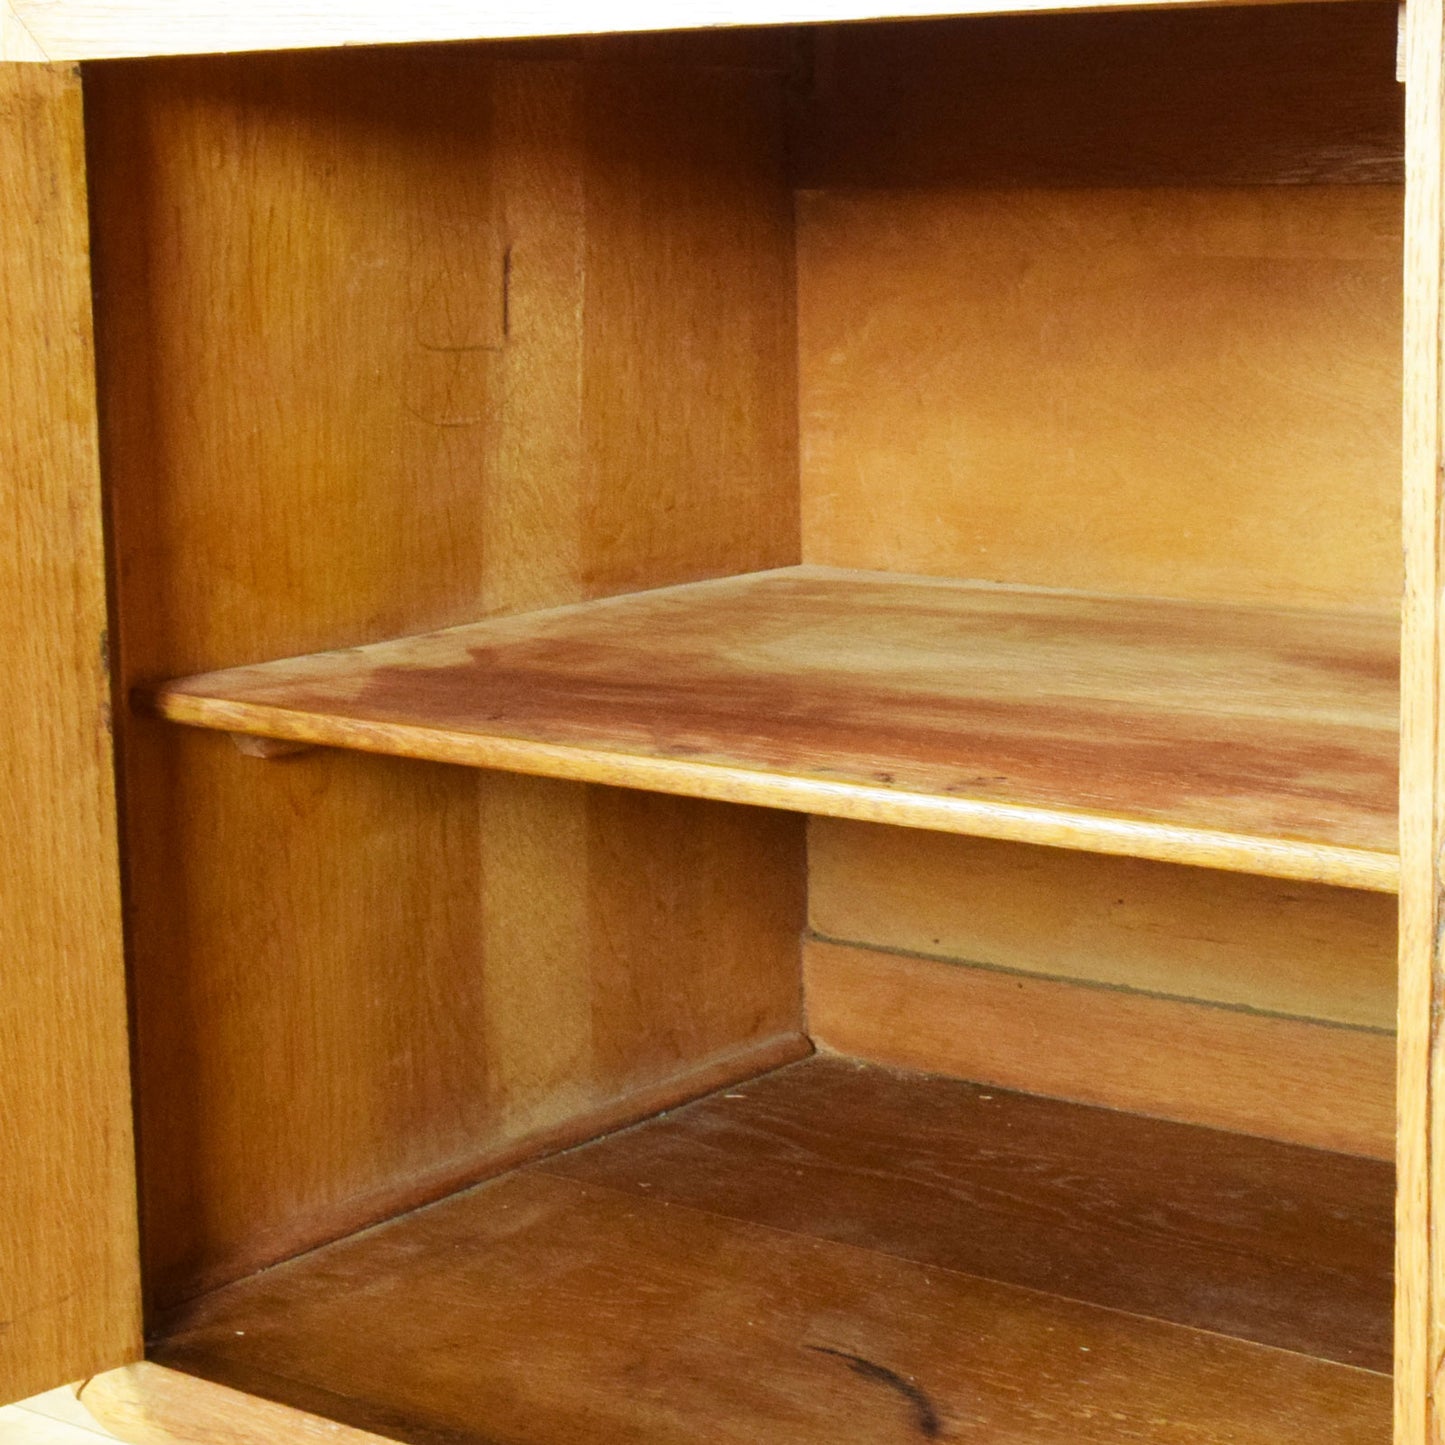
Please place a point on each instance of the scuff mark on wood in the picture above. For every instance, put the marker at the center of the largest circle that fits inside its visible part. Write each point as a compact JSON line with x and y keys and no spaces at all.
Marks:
{"x":925,"y":1413}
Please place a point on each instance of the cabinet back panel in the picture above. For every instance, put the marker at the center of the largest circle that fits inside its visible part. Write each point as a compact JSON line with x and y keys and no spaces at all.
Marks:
{"x":369,"y":333}
{"x":1246,"y":1003}
{"x":1175,"y":393}
{"x":1226,"y":938}
{"x":1067,"y":318}
{"x":1250,"y":1073}
{"x":1188,"y":393}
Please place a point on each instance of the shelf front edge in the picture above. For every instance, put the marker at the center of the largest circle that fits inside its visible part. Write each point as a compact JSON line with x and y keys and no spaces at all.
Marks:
{"x":720,"y":782}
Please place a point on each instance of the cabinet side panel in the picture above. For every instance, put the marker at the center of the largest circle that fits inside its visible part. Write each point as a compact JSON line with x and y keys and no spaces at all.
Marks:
{"x":685,"y":362}
{"x":69,"y":1288}
{"x":1419,"y":1256}
{"x":367,"y":291}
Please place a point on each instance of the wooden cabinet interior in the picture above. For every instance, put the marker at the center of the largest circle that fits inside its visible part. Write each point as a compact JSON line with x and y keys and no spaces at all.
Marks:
{"x":401,"y":340}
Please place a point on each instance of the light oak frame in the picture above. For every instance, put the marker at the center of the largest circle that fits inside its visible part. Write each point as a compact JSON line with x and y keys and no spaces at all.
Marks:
{"x":112,"y":29}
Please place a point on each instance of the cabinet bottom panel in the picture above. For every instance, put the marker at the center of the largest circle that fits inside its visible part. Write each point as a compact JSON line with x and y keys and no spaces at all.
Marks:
{"x":837,"y":1251}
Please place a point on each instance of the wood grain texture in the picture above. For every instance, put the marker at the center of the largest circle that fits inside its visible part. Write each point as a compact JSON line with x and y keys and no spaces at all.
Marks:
{"x":360,"y":982}
{"x":1283,"y":1246}
{"x":69,"y":1291}
{"x":148,"y":1404}
{"x":1163,"y":366}
{"x":1164,"y":97}
{"x":16,"y":41}
{"x":111,"y":29}
{"x":1274,"y":1077}
{"x":548,"y":1310}
{"x":1420,"y":1262}
{"x":62,"y":1405}
{"x":22,"y":1426}
{"x":1260,"y":943}
{"x":1253,"y":738}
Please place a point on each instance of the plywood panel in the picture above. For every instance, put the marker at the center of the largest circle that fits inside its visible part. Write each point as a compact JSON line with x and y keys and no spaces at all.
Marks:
{"x":1252,"y":738}
{"x":368,"y":295}
{"x":1245,"y":1237}
{"x":1171,"y":393}
{"x":1276,"y":1077}
{"x":1163,"y":97}
{"x":1293,"y":948}
{"x":538,"y":1309}
{"x":69,"y":1288}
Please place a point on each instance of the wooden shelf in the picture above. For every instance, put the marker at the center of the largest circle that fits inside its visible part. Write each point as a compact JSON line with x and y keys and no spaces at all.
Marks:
{"x":1254,"y":739}
{"x":834,"y":1252}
